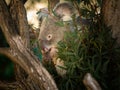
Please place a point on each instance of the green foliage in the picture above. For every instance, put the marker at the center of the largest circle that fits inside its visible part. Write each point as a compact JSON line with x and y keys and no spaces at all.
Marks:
{"x":37,"y":52}
{"x":6,"y":69}
{"x":36,"y":48}
{"x":60,"y":23}
{"x":93,"y":50}
{"x":90,"y":50}
{"x":3,"y":42}
{"x":78,"y":1}
{"x":51,"y":68}
{"x":6,"y":66}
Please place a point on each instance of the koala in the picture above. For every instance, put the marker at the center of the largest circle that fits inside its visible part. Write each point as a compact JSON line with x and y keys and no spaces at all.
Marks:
{"x":51,"y":33}
{"x":49,"y":36}
{"x":65,"y":11}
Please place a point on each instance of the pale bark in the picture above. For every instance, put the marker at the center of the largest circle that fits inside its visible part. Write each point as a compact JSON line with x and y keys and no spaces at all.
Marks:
{"x":111,"y":14}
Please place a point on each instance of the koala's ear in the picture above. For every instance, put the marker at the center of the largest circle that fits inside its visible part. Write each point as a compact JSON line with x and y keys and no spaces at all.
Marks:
{"x":52,"y":4}
{"x":42,"y":13}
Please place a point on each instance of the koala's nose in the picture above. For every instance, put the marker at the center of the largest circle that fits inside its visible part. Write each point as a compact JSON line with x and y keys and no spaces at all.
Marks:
{"x":46,"y":50}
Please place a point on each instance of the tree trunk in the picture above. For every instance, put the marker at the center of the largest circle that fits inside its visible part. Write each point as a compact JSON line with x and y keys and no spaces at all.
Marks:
{"x":14,"y":25}
{"x":111,"y":13}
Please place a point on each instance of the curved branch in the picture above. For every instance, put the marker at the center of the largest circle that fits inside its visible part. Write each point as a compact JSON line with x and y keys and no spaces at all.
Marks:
{"x":7,"y":52}
{"x":6,"y":22}
{"x":90,"y":82}
{"x":9,"y":86}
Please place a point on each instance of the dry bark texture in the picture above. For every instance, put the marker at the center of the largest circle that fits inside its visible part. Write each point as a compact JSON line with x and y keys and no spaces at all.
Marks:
{"x":111,"y":13}
{"x":31,"y":75}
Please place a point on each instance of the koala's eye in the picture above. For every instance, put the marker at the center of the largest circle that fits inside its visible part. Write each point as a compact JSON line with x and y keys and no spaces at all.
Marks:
{"x":49,"y":37}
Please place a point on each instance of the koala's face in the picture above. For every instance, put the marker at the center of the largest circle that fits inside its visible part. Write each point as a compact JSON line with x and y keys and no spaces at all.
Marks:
{"x":50,"y":34}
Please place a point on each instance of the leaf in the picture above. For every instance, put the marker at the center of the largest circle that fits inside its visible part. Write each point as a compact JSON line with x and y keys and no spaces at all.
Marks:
{"x":38,"y":53}
{"x":60,"y":23}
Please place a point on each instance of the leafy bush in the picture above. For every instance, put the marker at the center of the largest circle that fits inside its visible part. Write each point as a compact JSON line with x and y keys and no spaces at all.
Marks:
{"x":90,"y":50}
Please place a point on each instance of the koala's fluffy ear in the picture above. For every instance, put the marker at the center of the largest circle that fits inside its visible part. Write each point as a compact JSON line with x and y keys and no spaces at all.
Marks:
{"x":42,"y":13}
{"x":64,"y":11}
{"x":52,"y":4}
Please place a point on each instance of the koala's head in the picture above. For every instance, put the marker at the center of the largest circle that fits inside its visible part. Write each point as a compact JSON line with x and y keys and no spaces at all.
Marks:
{"x":50,"y":34}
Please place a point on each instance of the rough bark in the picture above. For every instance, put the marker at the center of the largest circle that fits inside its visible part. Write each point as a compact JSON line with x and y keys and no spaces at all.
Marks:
{"x":18,"y":14}
{"x":19,"y":52}
{"x":111,"y":13}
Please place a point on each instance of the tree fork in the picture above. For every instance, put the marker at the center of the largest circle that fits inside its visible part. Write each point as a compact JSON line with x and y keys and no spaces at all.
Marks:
{"x":22,"y":55}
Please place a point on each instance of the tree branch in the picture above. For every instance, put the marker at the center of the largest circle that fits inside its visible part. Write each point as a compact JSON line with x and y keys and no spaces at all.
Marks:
{"x":21,"y":54}
{"x":9,"y":86}
{"x":24,"y":1}
{"x":90,"y":82}
{"x":18,"y":13}
{"x":6,"y":22}
{"x":5,"y":51}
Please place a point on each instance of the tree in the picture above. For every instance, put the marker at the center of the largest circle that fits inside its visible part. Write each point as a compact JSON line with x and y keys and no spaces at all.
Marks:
{"x":15,"y":27}
{"x":30,"y":73}
{"x":111,"y":13}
